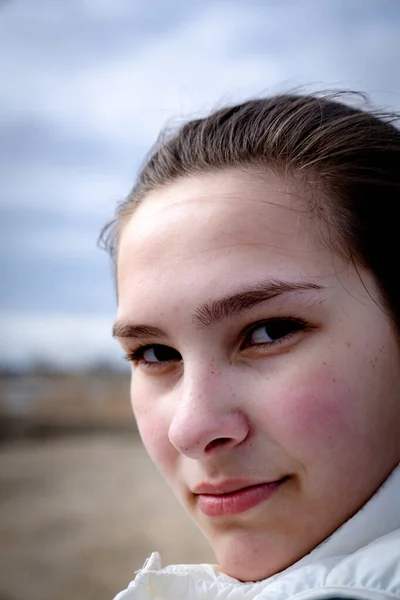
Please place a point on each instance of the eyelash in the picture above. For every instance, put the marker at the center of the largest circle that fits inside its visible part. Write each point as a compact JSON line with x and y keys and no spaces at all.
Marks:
{"x":136,"y":356}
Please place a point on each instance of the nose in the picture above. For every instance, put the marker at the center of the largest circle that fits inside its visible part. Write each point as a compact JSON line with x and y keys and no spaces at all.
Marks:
{"x":207,"y":417}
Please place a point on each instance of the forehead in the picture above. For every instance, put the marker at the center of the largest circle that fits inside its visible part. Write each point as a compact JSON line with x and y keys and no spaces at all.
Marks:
{"x":220,"y":225}
{"x":232,"y":204}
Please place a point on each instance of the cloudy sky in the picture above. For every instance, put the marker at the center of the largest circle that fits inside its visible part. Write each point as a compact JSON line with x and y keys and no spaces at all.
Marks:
{"x":85,"y":87}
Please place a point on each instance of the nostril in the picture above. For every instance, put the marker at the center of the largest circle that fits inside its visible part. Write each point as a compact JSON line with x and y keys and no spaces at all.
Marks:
{"x":218,"y":442}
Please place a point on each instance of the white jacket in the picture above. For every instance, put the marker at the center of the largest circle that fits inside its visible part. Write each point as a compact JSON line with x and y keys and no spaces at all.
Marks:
{"x":360,"y":560}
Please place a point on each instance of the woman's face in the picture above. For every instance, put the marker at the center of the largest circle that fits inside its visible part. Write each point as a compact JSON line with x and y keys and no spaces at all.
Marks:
{"x":265,"y":375}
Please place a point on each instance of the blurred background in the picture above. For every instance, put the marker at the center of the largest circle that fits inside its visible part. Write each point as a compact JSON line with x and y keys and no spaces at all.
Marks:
{"x":85,"y":86}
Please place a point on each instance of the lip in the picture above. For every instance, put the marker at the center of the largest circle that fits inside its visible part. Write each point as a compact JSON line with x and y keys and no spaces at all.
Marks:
{"x":234,"y":497}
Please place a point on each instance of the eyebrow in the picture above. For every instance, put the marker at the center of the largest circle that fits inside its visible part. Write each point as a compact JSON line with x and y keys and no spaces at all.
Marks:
{"x":122,"y":329}
{"x":215,"y":311}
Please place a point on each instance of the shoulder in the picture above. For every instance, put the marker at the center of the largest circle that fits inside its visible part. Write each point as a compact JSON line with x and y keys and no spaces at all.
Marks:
{"x":375,"y":568}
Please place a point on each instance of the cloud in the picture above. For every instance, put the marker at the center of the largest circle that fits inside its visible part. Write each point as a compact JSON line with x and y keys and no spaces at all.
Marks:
{"x":141,"y":76}
{"x":63,"y":340}
{"x":95,"y":101}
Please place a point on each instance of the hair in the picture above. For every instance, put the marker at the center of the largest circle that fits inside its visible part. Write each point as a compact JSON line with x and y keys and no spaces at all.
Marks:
{"x":350,"y":155}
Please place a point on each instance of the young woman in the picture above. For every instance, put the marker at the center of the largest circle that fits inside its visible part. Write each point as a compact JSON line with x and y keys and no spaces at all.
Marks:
{"x":259,"y":305}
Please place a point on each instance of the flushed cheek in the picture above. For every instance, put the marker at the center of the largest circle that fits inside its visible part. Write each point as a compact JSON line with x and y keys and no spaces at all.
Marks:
{"x":313,"y":417}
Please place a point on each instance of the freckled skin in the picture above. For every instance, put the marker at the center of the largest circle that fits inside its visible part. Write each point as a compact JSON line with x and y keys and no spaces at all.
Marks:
{"x":322,"y":407}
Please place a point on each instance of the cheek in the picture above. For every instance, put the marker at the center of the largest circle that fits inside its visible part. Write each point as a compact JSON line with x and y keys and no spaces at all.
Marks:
{"x":314,"y":416}
{"x":153,"y":425}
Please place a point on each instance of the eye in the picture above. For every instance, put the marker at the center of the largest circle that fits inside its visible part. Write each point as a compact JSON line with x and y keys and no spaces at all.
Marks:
{"x":153,"y":355}
{"x":272,"y":331}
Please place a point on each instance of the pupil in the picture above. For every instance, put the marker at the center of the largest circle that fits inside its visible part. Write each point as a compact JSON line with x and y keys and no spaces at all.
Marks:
{"x":278,"y":329}
{"x":163,"y":353}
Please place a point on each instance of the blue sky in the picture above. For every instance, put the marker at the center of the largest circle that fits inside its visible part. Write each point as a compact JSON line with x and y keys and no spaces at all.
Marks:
{"x":86,"y":86}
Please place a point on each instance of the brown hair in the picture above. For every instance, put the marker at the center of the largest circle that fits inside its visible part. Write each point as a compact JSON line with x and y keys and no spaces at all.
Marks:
{"x":353,"y":156}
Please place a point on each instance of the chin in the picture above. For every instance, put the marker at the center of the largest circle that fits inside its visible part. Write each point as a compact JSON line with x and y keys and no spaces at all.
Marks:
{"x":247,"y":573}
{"x":248,"y":570}
{"x":249,"y":559}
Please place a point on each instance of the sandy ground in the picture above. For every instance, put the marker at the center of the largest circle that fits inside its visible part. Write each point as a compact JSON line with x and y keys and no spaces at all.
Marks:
{"x":78,"y":516}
